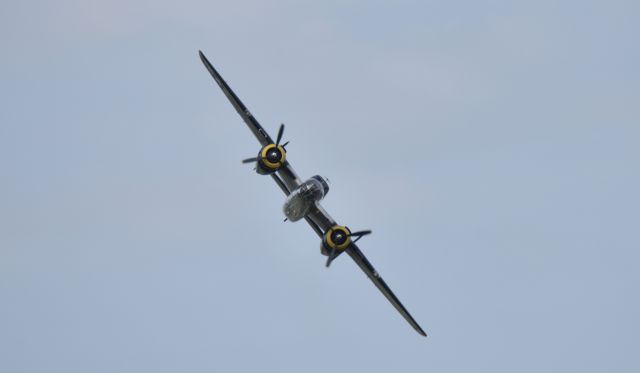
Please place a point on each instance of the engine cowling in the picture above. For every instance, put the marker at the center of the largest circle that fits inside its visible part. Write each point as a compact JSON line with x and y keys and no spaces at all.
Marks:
{"x":337,"y":238}
{"x":270,"y":159}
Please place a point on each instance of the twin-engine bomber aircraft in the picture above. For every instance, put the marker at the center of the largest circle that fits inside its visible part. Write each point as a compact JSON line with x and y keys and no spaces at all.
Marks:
{"x":303,"y":198}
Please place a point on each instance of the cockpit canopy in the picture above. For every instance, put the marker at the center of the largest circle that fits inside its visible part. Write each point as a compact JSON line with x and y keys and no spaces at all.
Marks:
{"x":299,"y":202}
{"x":324,"y":182}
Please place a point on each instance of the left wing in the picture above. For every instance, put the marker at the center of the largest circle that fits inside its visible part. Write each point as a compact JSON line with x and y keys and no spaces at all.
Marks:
{"x":286,"y":172}
{"x":373,"y":275}
{"x":321,"y":221}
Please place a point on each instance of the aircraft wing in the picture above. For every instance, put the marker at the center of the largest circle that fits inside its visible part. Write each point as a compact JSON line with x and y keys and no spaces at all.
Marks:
{"x":358,"y":257}
{"x":321,"y":221}
{"x":286,"y":172}
{"x":255,"y":127}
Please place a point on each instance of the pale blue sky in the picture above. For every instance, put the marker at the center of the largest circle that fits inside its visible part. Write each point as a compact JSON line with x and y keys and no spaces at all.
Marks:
{"x":491,"y":146}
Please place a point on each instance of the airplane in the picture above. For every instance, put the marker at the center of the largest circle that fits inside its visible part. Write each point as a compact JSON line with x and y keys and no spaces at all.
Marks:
{"x":303,"y":198}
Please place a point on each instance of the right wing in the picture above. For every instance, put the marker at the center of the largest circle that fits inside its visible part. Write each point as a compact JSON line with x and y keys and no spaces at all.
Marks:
{"x":255,"y":127}
{"x":286,"y":172}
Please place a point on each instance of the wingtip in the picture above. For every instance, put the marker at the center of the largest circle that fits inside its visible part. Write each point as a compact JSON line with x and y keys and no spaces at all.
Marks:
{"x":419,"y":330}
{"x":212,"y":70}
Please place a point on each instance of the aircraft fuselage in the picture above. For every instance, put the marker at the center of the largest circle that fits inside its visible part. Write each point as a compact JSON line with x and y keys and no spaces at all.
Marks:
{"x":300,"y":201}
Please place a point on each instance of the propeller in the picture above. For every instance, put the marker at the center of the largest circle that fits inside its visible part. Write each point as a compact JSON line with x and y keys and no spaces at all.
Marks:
{"x":334,"y":253}
{"x":359,"y":234}
{"x":280,"y":132}
{"x":277,"y":143}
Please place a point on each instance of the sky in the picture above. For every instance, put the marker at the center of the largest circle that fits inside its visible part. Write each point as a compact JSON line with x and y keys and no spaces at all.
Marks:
{"x":491,"y":146}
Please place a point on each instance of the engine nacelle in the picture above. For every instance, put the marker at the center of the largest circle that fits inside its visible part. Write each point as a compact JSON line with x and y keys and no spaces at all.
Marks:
{"x":270,"y":159}
{"x":337,"y":238}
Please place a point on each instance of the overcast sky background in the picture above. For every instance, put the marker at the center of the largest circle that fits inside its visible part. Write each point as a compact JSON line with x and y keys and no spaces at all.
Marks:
{"x":491,"y":146}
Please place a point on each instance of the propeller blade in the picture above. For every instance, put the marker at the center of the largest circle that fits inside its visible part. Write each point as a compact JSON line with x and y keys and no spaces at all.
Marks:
{"x":360,"y":233}
{"x":332,"y":255}
{"x":249,"y":160}
{"x":280,"y":132}
{"x":285,"y":144}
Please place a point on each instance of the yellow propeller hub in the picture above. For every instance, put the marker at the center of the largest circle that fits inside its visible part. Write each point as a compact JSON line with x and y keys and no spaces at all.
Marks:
{"x":338,"y":237}
{"x":273,"y":156}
